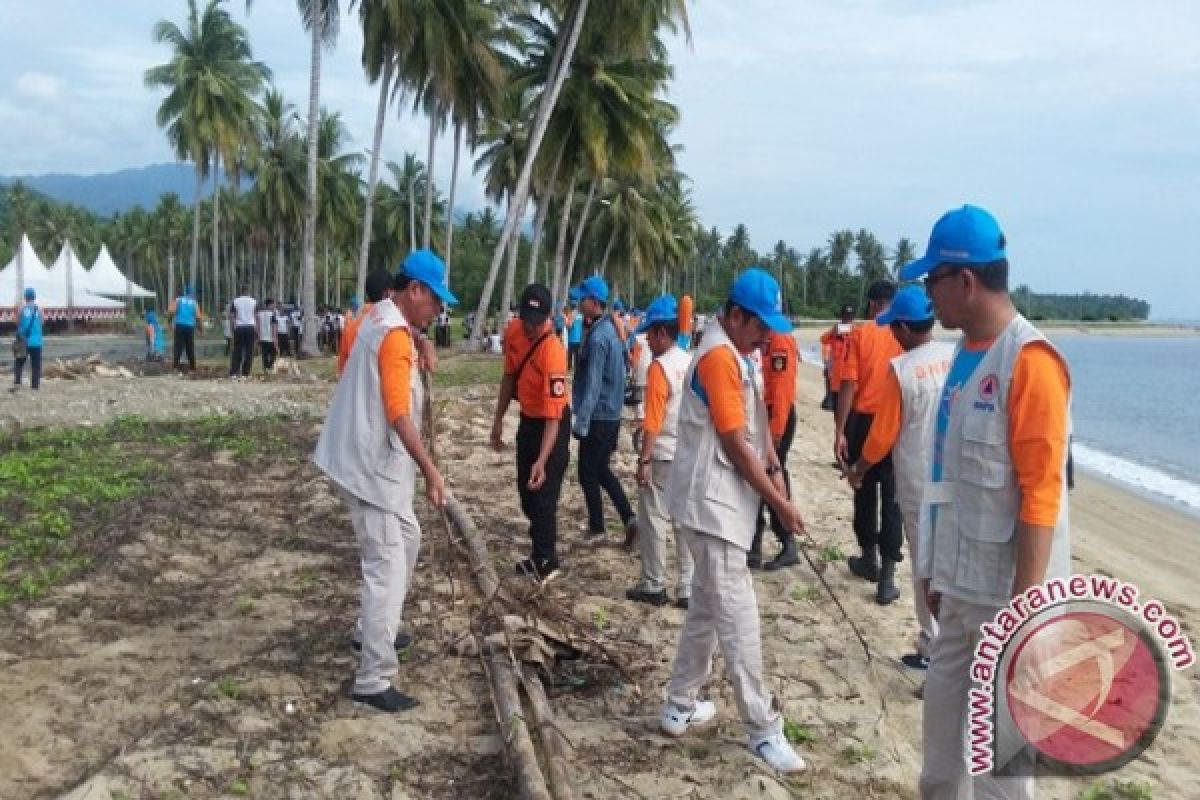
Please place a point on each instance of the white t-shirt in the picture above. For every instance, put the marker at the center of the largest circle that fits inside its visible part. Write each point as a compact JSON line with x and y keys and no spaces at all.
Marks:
{"x":494,"y":344}
{"x":243,"y":311}
{"x":341,"y":322}
{"x":266,"y":326}
{"x":297,"y":321}
{"x":281,"y":323}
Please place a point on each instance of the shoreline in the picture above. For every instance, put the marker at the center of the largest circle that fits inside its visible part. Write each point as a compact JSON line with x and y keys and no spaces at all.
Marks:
{"x":809,"y":330}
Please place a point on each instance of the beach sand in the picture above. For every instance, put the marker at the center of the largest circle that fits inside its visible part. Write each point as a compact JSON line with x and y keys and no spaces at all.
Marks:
{"x":159,"y":723}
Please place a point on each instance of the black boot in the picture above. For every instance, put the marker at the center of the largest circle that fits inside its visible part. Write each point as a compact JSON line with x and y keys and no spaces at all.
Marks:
{"x":787,"y":556}
{"x":865,"y":566}
{"x":886,"y":592}
{"x":754,"y":559}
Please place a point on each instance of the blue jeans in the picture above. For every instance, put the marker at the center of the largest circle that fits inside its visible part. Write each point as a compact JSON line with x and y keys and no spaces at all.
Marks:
{"x":34,"y":354}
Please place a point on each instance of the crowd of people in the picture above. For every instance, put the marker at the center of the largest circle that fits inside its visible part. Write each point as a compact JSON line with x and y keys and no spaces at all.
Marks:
{"x":956,"y":454}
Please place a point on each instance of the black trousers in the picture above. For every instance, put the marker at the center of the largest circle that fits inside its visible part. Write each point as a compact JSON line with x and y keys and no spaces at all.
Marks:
{"x":595,"y":455}
{"x":34,"y":355}
{"x":185,"y":342}
{"x":243,"y":350}
{"x":540,"y":506}
{"x":268,"y":354}
{"x":877,"y":519}
{"x":785,"y":444}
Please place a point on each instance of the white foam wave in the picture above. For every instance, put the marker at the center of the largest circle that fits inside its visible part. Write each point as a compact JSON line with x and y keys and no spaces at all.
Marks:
{"x":1139,"y":476}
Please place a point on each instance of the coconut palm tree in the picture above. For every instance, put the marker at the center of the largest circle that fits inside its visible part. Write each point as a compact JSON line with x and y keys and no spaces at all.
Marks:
{"x":211,"y":81}
{"x":279,"y":184}
{"x":321,"y":20}
{"x":905,"y":252}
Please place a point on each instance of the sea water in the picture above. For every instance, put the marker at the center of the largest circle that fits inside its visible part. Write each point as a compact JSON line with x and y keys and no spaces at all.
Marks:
{"x":1136,"y":411}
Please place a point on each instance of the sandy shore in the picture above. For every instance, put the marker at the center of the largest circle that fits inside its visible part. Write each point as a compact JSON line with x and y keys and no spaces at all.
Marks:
{"x":1115,"y":532}
{"x":268,"y":603}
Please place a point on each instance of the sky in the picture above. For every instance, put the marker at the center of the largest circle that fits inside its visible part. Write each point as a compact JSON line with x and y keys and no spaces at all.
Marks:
{"x":1077,"y":122}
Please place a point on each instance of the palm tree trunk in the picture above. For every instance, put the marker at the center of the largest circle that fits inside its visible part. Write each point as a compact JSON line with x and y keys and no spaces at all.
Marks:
{"x":195,"y":230}
{"x":428,"y":233}
{"x":539,"y":222}
{"x":612,"y":240}
{"x":450,"y":202}
{"x":564,"y":223}
{"x":509,"y":278}
{"x":579,"y":229}
{"x":385,"y":82}
{"x":412,"y":214}
{"x":279,"y":264}
{"x":564,"y":53}
{"x":216,"y":242}
{"x":308,"y":296}
{"x":170,"y":273}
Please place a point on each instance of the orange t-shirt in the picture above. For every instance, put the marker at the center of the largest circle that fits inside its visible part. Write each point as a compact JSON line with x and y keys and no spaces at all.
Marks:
{"x":348,"y":334}
{"x":885,"y":425}
{"x":834,"y":347}
{"x":1037,"y":431}
{"x":542,"y":385}
{"x":868,"y":353}
{"x":685,"y":314}
{"x":658,"y":392}
{"x":779,"y":379}
{"x":721,"y":379}
{"x":396,"y":360}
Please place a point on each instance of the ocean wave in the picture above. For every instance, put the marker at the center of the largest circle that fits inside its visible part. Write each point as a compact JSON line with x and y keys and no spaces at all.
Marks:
{"x":1139,"y":476}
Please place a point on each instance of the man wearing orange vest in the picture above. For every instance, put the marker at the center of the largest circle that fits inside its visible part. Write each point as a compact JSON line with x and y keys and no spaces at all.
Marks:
{"x":535,"y":373}
{"x":877,"y":521}
{"x":779,"y":380}
{"x":833,"y":353}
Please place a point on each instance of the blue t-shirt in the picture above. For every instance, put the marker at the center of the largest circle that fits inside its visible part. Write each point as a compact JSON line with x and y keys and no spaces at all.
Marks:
{"x":964,"y":366}
{"x":575,"y":335}
{"x":30,"y":326}
{"x":185,"y":312}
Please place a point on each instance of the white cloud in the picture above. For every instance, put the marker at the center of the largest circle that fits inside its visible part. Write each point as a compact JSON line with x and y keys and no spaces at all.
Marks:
{"x":38,"y":86}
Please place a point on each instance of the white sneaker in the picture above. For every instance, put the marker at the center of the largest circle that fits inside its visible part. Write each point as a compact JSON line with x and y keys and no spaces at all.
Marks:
{"x":777,"y":751}
{"x":675,"y":721}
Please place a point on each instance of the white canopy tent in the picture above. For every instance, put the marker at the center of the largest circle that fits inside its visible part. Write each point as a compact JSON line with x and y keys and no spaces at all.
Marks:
{"x":57,"y":298}
{"x":107,"y":279}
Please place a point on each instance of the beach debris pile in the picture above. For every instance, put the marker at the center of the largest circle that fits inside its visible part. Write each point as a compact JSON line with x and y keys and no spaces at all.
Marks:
{"x":92,"y":366}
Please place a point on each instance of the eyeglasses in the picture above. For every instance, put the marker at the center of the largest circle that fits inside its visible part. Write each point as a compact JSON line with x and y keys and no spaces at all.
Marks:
{"x":931,"y":279}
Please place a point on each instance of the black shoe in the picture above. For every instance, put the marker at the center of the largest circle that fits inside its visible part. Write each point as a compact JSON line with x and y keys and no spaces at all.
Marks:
{"x":886,"y":592}
{"x":642,"y":596}
{"x":402,"y":642}
{"x":682,"y":602}
{"x":786,"y":558}
{"x":389,"y":700}
{"x":915,"y":661}
{"x":754,"y":560}
{"x":540,"y":571}
{"x":631,"y":534}
{"x":864,"y":567}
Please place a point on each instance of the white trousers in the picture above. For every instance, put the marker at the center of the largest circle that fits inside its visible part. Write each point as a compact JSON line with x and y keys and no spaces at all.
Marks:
{"x":944,"y":774}
{"x":654,"y":523}
{"x":388,"y":545}
{"x":724,"y":611}
{"x":928,"y":625}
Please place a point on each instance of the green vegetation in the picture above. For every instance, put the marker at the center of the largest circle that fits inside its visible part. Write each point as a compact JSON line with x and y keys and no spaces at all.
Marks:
{"x":831,"y":554}
{"x":857,"y":754}
{"x":807,"y":594}
{"x":798,"y":734}
{"x":1117,"y":790}
{"x":468,"y":371}
{"x":229,"y":687}
{"x":1085,"y":307}
{"x":50,"y":480}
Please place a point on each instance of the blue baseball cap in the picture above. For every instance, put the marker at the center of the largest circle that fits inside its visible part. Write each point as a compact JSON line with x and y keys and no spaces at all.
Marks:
{"x":910,"y":304}
{"x":574,"y":296}
{"x":965,"y":236}
{"x":757,"y":292}
{"x":426,"y":267}
{"x":661,"y":309}
{"x":30,"y":293}
{"x":594,"y":287}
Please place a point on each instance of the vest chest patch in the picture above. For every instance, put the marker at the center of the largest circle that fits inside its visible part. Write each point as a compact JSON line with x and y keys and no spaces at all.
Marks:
{"x":989,"y":387}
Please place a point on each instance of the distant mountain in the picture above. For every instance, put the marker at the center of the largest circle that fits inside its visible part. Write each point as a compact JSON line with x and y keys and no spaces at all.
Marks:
{"x":108,"y":193}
